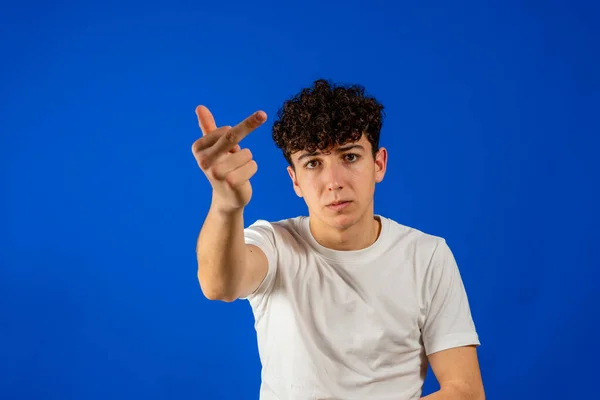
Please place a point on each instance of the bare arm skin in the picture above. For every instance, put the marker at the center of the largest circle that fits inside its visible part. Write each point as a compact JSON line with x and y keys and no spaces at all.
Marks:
{"x":227,"y":267}
{"x":457,"y":371}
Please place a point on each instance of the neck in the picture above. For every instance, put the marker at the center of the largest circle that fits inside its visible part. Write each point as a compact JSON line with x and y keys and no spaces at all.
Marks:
{"x":358,"y":236}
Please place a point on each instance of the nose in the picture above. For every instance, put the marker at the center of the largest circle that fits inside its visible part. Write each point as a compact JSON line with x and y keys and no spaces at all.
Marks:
{"x":333,"y":177}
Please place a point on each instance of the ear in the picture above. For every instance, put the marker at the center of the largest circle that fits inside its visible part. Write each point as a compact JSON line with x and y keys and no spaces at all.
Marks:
{"x":381,"y":158}
{"x":292,"y":175}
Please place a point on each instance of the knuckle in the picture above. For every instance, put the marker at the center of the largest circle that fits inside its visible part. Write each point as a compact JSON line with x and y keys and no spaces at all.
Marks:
{"x":230,"y":136}
{"x":230,"y":178}
{"x":196,"y":146}
{"x":243,"y":156}
{"x":199,"y":145}
{"x":203,"y":162}
{"x":214,"y":174}
{"x":252,"y":122}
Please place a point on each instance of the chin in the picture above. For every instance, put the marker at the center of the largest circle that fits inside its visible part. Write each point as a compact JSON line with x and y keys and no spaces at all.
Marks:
{"x":341,"y":221}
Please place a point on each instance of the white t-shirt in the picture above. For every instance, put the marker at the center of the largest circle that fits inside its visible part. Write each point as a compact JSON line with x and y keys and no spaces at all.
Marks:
{"x":354,"y":324}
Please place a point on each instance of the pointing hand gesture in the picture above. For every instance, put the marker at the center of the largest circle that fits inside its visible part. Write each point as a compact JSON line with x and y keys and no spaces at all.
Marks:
{"x":227,"y":166}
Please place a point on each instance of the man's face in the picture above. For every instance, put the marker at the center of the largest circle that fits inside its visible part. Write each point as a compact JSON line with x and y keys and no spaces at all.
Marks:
{"x":338,"y":186}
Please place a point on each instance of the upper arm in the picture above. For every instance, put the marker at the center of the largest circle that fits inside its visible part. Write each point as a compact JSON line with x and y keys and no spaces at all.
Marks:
{"x":261,"y":261}
{"x":447,"y":321}
{"x":457,"y":369}
{"x":254,"y":272}
{"x":449,"y":332}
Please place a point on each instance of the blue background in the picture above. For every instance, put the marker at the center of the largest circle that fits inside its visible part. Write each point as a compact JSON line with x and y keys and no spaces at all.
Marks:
{"x":492,"y":130}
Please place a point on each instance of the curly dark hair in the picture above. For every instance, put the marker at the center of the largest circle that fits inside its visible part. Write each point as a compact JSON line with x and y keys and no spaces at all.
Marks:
{"x":325,"y":115}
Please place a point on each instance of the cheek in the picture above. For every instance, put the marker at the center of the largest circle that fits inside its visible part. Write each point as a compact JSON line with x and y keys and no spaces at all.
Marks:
{"x":362,"y":183}
{"x":360,"y":175}
{"x":310,"y":188}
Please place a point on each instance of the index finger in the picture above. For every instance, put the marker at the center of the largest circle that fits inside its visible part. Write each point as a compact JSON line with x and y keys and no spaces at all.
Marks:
{"x":230,"y":139}
{"x":206,"y":121}
{"x":241,"y":130}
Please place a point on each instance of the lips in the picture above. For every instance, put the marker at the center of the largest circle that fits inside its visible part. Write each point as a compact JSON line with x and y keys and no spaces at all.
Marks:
{"x":337,"y":203}
{"x":338,"y":206}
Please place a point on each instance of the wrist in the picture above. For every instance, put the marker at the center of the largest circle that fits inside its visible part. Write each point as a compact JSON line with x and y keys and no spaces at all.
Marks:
{"x":223,"y":209}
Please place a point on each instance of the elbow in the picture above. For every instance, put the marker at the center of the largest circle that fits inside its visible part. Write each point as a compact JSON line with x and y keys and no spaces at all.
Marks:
{"x":465,"y":392}
{"x":478,"y":394}
{"x":214,"y":295}
{"x":215,"y":292}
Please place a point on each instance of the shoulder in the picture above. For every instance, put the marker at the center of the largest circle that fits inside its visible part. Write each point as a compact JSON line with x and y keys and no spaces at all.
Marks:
{"x":411,"y":239}
{"x":428,"y":254}
{"x":287,"y":224}
{"x":279,"y":232}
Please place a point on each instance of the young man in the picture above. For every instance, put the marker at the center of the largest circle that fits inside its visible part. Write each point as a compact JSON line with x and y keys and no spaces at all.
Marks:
{"x":348,"y":304}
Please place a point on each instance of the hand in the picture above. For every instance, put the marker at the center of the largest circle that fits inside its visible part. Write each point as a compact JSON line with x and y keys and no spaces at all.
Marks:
{"x":227,"y":166}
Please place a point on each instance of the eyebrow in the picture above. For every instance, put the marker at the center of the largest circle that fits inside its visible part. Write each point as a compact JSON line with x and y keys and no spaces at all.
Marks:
{"x":338,"y":150}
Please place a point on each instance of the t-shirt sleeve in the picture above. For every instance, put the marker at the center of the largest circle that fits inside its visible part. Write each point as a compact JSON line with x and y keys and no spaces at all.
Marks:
{"x":262,"y":234}
{"x":448,"y":322}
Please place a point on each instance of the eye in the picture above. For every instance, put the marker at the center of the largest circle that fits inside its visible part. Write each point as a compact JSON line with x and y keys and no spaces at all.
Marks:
{"x":351,"y":157}
{"x":311,"y":164}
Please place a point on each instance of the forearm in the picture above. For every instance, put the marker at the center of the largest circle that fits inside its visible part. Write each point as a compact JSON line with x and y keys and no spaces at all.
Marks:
{"x":221,"y":252}
{"x":454,"y":393}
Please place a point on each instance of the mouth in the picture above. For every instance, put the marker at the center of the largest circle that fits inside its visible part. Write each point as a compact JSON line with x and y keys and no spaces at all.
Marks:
{"x":338,"y":205}
{"x":338,"y":202}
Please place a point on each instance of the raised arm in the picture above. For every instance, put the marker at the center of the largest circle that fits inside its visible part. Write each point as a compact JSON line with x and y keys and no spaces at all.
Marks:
{"x":227,"y":267}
